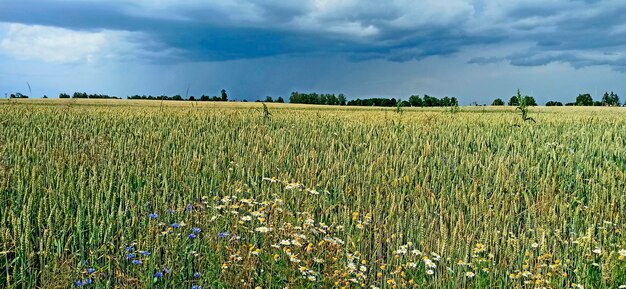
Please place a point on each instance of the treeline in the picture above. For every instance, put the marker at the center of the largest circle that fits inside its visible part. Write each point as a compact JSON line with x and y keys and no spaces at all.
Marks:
{"x":515,"y":101}
{"x":176,"y":97}
{"x":608,"y":99}
{"x":414,"y":101}
{"x":340,"y":99}
{"x":271,"y":99}
{"x":85,"y":95}
{"x":314,"y":98}
{"x":223,"y":97}
{"x":431,"y":101}
{"x":18,"y":95}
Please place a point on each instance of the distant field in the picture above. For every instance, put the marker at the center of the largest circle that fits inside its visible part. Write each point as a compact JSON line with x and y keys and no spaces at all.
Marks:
{"x":150,"y":194}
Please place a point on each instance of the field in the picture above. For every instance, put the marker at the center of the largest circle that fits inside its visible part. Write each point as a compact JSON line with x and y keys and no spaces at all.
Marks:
{"x":144,"y":194}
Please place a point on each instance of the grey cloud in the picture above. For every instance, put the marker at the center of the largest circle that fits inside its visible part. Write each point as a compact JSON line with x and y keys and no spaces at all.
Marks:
{"x":393,"y":30}
{"x":484,"y":60}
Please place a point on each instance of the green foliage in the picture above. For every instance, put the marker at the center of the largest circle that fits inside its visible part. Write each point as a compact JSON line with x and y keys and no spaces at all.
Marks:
{"x":416,"y":101}
{"x":523,"y":106}
{"x":516,"y":100}
{"x":513,"y":101}
{"x":554,"y":103}
{"x":85,"y":95}
{"x":314,"y":98}
{"x":399,"y":108}
{"x":610,"y":99}
{"x":266,"y":113}
{"x":584,"y":100}
{"x":18,"y":95}
{"x":497,"y":102}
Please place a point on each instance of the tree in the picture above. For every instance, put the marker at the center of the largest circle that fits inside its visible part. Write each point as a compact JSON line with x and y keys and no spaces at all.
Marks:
{"x":614,"y":99}
{"x":530,"y":101}
{"x":224,"y":95}
{"x":513,"y":101}
{"x":415,"y":100}
{"x":177,"y":97}
{"x":584,"y":100}
{"x":191,"y":98}
{"x":341,"y":99}
{"x":269,"y":99}
{"x":332,"y":99}
{"x":554,"y":103}
{"x":18,"y":95}
{"x":64,"y":95}
{"x":497,"y":102}
{"x":280,"y":99}
{"x":610,"y":99}
{"x":606,"y":99}
{"x":430,"y":101}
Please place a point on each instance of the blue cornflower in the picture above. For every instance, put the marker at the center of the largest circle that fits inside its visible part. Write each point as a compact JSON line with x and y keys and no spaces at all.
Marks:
{"x":91,"y":270}
{"x":153,"y":216}
{"x":176,"y":225}
{"x":223,"y":235}
{"x":137,"y":262}
{"x":188,"y":207}
{"x":158,"y":274}
{"x":170,"y":211}
{"x":196,"y":230}
{"x":196,"y":287}
{"x":81,"y":283}
{"x":197,"y":275}
{"x":145,"y":253}
{"x":130,"y":256}
{"x":192,"y":236}
{"x":129,"y":249}
{"x":167,"y":270}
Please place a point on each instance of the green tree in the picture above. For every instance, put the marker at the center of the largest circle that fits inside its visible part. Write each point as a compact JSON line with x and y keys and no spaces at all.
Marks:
{"x":430,"y":101}
{"x":341,"y":99}
{"x":497,"y":102}
{"x":513,"y":101}
{"x":415,"y":100}
{"x":280,"y":99}
{"x":610,"y":99}
{"x":269,"y":99}
{"x":584,"y":100}
{"x":530,"y":101}
{"x":224,"y":95}
{"x":554,"y":103}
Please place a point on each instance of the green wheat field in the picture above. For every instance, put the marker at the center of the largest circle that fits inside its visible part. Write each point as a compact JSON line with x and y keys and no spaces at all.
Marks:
{"x":149,"y":194}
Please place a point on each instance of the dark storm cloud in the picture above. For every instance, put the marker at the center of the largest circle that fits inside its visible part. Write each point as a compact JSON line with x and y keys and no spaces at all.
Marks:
{"x":581,"y":33}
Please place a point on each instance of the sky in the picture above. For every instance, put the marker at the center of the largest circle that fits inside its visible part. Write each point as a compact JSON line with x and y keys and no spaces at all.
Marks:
{"x":475,"y":50}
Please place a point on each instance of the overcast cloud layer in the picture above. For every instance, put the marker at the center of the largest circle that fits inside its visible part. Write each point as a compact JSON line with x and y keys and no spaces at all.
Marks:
{"x":475,"y":50}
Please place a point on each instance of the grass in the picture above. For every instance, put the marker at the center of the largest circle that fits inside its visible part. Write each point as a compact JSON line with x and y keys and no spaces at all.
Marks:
{"x":316,"y":197}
